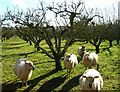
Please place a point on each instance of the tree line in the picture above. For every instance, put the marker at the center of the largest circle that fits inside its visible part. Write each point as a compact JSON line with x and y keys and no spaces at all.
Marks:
{"x":77,"y":25}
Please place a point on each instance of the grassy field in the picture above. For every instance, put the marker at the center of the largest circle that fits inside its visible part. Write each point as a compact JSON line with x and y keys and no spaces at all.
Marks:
{"x":44,"y":77}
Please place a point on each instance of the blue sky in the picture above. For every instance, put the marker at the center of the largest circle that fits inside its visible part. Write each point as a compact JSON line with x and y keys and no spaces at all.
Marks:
{"x":23,"y":4}
{"x":110,"y":5}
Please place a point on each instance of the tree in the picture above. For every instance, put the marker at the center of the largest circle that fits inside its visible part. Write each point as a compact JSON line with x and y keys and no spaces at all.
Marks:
{"x":7,"y":33}
{"x":87,"y":30}
{"x":37,"y":27}
{"x":28,"y":24}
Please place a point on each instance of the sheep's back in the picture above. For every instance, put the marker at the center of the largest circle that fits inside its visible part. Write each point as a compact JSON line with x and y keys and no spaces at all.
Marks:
{"x":79,"y":51}
{"x":95,"y":58}
{"x":74,"y":59}
{"x":19,"y":67}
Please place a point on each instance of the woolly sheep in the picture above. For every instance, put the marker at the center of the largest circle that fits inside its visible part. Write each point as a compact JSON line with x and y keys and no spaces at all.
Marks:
{"x":70,"y":62}
{"x":23,"y":69}
{"x":90,"y":59}
{"x":91,"y":80}
{"x":82,"y":51}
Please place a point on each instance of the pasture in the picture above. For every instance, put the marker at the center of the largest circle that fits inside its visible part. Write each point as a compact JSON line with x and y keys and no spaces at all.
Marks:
{"x":44,"y":76}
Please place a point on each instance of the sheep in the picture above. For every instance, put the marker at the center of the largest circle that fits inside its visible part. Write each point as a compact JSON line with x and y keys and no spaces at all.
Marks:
{"x":91,"y":80}
{"x":70,"y":62}
{"x":82,"y":51}
{"x":90,"y":59}
{"x":23,"y":69}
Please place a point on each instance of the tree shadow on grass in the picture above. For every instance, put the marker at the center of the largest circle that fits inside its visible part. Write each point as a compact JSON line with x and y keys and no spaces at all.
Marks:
{"x":8,"y":48}
{"x":15,"y":43}
{"x":35,"y":81}
{"x":11,"y":87}
{"x":71,"y":84}
{"x":41,"y":62}
{"x":52,"y":84}
{"x":22,"y":54}
{"x":108,"y":49}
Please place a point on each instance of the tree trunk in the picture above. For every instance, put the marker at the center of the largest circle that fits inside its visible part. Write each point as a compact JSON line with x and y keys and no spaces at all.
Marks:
{"x":58,"y":66}
{"x":117,"y":42}
{"x":97,"y":48}
{"x":110,"y":42}
{"x":30,"y":42}
{"x":38,"y":47}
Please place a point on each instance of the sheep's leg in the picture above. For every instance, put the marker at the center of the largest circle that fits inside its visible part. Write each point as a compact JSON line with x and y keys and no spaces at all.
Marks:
{"x":22,"y":83}
{"x":25,"y":83}
{"x":73,"y":69}
{"x":69,"y":73}
{"x":97,"y":66}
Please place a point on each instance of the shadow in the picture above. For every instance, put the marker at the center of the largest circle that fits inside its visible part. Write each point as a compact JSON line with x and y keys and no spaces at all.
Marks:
{"x":11,"y":86}
{"x":108,"y":49}
{"x":8,"y":48}
{"x":90,"y":50}
{"x":9,"y":44}
{"x":35,"y":81}
{"x":71,"y":84}
{"x":79,"y":59}
{"x":22,"y":54}
{"x":41,"y":62}
{"x":52,"y":84}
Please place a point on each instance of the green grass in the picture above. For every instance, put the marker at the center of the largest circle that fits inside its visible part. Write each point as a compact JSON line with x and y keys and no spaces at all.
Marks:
{"x":45,"y":77}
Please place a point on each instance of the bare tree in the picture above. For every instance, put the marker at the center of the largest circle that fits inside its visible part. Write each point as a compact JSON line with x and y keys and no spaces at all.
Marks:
{"x":28,"y":24}
{"x":37,"y":27}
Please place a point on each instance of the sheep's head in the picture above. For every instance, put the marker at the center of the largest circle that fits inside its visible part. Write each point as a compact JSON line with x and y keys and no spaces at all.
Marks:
{"x":83,"y":48}
{"x":90,"y":80}
{"x":68,"y":57}
{"x":29,"y":65}
{"x":88,"y":57}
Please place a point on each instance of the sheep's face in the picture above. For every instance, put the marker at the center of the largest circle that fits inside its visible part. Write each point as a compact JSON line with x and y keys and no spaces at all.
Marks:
{"x":83,"y":48}
{"x":88,"y":57}
{"x":68,"y":57}
{"x":90,"y":81}
{"x":29,"y":65}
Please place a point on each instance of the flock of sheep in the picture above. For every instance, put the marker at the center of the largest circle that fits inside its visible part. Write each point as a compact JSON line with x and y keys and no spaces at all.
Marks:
{"x":90,"y":80}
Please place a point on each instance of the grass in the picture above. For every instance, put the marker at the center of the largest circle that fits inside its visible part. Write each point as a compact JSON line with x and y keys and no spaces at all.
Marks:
{"x":44,"y":77}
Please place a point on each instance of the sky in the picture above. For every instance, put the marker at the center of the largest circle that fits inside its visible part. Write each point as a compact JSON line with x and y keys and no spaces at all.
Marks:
{"x":111,"y":6}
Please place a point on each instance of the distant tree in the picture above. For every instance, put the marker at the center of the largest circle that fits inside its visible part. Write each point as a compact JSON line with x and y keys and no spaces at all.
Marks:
{"x":28,"y":24}
{"x":90,"y":32}
{"x":111,"y":32}
{"x":7,"y":33}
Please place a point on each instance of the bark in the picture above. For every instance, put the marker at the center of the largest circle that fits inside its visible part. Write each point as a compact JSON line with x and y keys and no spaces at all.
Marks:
{"x":110,"y":42}
{"x":58,"y":66}
{"x":97,"y":48}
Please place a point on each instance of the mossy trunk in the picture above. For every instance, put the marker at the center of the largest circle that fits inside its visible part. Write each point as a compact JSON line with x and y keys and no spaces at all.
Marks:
{"x":97,"y":49}
{"x":110,"y":42}
{"x":58,"y":66}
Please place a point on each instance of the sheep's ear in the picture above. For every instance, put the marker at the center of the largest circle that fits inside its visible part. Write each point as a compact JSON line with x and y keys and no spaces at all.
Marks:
{"x":96,"y":77}
{"x":25,"y":61}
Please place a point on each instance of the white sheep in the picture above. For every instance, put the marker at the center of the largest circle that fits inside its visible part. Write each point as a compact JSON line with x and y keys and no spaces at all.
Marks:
{"x":90,"y":59}
{"x":23,"y":69}
{"x":70,"y":62}
{"x":91,"y":80}
{"x":82,"y":51}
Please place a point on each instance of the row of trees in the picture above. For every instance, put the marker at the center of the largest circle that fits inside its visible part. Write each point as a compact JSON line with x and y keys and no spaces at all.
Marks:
{"x":77,"y":25}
